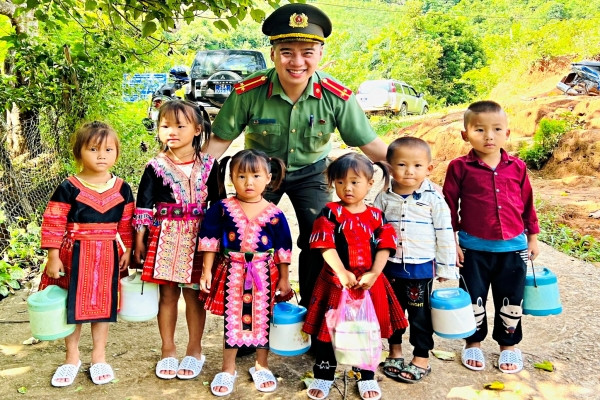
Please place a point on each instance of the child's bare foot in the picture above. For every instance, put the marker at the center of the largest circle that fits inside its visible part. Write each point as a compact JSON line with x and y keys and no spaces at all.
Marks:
{"x":170,"y":355}
{"x":415,"y":371}
{"x":394,"y":361}
{"x":264,"y":380}
{"x":72,"y":358}
{"x":223,"y":382}
{"x":511,"y":360}
{"x":472,"y":356}
{"x":319,"y":389}
{"x":369,"y":389}
{"x":191,"y":366}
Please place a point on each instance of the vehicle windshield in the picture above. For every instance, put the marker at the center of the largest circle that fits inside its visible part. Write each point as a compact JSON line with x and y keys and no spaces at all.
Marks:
{"x":243,"y":63}
{"x":372,"y":86}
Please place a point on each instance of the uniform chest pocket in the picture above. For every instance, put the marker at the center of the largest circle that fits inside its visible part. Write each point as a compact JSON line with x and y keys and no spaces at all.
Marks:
{"x":317,"y":136}
{"x":265,"y":137}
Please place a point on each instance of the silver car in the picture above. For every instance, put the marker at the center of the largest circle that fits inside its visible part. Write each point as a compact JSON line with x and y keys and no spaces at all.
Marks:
{"x":388,"y":95}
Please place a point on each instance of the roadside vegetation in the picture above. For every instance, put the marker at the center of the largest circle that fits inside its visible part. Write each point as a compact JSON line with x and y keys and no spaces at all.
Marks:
{"x":63,"y":63}
{"x":556,"y":233}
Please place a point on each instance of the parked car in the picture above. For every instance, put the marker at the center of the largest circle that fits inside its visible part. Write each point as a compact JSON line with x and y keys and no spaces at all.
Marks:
{"x":584,"y":79}
{"x":214,"y":72}
{"x":388,"y":95}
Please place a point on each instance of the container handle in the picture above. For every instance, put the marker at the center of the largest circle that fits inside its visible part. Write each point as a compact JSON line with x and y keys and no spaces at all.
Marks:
{"x":533,"y":270}
{"x":429,"y":292}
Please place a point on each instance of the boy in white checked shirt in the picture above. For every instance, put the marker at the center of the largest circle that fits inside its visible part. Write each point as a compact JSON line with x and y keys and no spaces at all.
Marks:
{"x":426,"y":249}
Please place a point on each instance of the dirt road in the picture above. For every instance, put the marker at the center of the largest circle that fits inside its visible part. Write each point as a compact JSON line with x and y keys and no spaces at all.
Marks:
{"x":570,"y":340}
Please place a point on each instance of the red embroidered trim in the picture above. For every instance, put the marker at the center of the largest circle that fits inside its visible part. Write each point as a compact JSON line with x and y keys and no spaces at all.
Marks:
{"x":125,"y":227}
{"x":54,"y":224}
{"x":101,"y":202}
{"x":94,"y":284}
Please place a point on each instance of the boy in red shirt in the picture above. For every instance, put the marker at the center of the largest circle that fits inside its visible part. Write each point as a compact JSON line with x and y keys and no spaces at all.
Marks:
{"x":491,"y":205}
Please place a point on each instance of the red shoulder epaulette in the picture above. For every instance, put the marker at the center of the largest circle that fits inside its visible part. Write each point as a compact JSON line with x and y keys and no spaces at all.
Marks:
{"x":339,"y":90}
{"x":249,"y":84}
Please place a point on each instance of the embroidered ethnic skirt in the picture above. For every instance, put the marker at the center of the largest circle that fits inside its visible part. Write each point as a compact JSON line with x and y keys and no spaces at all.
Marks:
{"x":243,"y":290}
{"x":90,"y":255}
{"x":171,"y":250}
{"x":326,"y":296}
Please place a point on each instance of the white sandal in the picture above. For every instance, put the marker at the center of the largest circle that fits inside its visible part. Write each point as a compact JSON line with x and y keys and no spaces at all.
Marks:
{"x":167,"y":364}
{"x":101,"y":369}
{"x":473,"y":354}
{"x":370,"y":385}
{"x":319,"y":384}
{"x":193,"y":364}
{"x":261,"y":377}
{"x":223,"y":379}
{"x":65,"y":371}
{"x":511,"y":357}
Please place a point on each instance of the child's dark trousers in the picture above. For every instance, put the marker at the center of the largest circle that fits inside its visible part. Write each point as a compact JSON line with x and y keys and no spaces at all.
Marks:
{"x":413,"y":295}
{"x":505,"y":273}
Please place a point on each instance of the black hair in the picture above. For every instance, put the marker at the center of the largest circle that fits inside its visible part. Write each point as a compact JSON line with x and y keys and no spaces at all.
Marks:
{"x":193,"y":113}
{"x":358,"y":163}
{"x":478,"y":107}
{"x":251,"y":160}
{"x":407,"y":141}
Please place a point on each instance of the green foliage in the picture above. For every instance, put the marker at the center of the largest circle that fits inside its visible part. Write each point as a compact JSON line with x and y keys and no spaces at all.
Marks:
{"x":23,"y":251}
{"x":428,"y":50}
{"x":545,"y":140}
{"x":385,"y":126}
{"x":126,"y":120}
{"x":564,"y":238}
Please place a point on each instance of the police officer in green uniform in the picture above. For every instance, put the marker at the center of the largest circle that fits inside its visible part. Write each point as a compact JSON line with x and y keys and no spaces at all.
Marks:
{"x":291,"y":112}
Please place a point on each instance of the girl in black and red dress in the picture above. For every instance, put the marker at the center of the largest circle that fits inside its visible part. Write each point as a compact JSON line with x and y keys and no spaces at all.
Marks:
{"x":172,"y":198}
{"x":355,"y":242}
{"x":87,"y":230}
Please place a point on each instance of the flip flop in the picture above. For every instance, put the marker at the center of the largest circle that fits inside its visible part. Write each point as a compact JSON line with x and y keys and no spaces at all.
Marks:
{"x":65,"y":371}
{"x":223,"y":379}
{"x":511,"y":357}
{"x":319,"y":384}
{"x":417,"y":373}
{"x":370,"y":385}
{"x":167,"y":364}
{"x":392,"y":363}
{"x":101,"y":369}
{"x":191,"y":364}
{"x":261,"y":377}
{"x":473,"y":354}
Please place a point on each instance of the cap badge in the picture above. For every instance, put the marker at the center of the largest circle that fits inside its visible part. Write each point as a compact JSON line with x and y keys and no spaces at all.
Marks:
{"x":298,"y":21}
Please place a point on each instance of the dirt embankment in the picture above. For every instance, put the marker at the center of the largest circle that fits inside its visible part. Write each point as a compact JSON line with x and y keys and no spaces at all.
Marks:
{"x":570,"y":179}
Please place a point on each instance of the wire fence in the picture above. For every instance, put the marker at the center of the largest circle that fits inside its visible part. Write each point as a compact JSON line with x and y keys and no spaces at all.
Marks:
{"x":32,"y":164}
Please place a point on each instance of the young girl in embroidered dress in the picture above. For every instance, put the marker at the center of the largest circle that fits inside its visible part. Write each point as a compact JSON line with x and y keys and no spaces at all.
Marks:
{"x":87,"y":230}
{"x":171,"y":202}
{"x":253,"y":241}
{"x":355,"y":241}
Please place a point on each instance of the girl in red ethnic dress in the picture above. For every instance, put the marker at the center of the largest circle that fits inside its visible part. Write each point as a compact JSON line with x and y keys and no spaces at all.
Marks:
{"x":254,"y":244}
{"x":355,"y":241}
{"x":171,"y":201}
{"x":87,"y":231}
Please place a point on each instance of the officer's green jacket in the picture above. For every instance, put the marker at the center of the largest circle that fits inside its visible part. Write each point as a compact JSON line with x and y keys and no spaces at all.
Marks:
{"x":299,"y":134}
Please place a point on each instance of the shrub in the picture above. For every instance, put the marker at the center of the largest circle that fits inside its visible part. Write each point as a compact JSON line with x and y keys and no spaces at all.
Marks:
{"x":545,"y":140}
{"x":23,"y":252}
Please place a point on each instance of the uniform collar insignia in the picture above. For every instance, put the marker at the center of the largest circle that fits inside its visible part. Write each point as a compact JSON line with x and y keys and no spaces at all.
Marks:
{"x":298,"y":21}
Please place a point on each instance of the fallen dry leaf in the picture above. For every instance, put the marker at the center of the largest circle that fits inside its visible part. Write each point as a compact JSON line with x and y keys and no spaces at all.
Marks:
{"x":444,"y":355}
